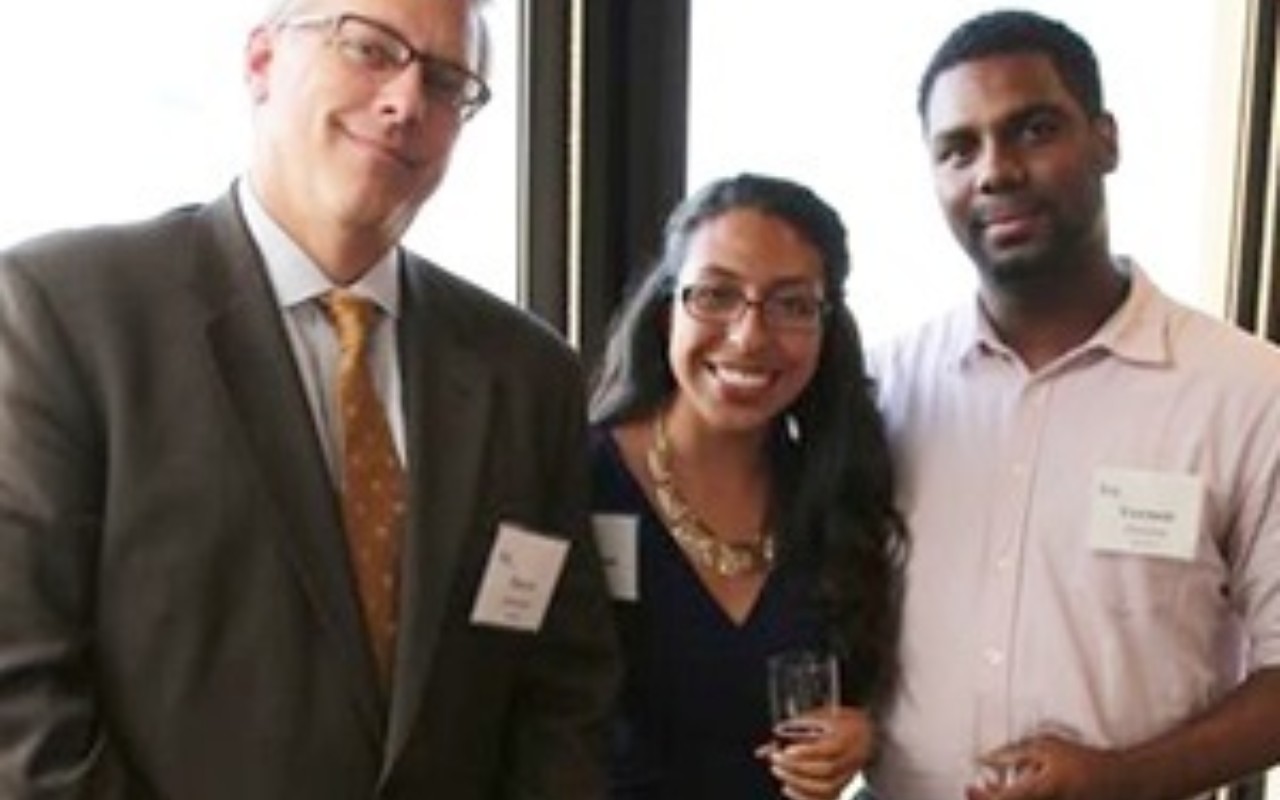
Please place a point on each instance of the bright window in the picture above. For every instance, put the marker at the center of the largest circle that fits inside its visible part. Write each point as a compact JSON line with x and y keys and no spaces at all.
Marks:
{"x":825,"y":93}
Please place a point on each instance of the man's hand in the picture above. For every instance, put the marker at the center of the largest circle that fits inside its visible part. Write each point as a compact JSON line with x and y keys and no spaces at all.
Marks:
{"x":1047,"y":767}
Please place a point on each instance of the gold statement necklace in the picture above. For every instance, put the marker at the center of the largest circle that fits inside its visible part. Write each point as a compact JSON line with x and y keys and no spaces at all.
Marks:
{"x":728,"y":559}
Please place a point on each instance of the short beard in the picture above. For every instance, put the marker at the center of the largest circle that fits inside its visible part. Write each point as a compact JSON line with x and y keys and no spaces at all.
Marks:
{"x":1018,"y":271}
{"x":1040,"y":264}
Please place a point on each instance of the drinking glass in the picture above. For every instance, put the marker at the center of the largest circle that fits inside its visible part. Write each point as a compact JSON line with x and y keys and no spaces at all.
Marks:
{"x":1034,"y":722}
{"x":803,"y":686}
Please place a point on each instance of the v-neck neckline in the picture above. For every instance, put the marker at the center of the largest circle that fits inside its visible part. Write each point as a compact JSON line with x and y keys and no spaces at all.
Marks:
{"x":664,"y":539}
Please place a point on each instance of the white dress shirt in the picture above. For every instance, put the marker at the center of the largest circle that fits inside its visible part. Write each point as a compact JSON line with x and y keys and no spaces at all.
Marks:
{"x":299,"y":285}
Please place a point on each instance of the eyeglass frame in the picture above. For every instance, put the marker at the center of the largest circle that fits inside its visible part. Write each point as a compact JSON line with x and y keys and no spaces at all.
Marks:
{"x":467,"y":103}
{"x":742,"y":303}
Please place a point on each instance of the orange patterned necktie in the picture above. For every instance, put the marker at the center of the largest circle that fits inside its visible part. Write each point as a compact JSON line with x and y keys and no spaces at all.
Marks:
{"x":373,"y":483}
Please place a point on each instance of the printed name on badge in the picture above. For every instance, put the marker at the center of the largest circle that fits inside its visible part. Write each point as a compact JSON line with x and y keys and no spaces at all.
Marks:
{"x":1146,"y":513}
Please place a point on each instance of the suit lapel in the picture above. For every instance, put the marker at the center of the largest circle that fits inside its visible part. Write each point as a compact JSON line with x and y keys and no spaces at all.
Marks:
{"x":448,"y":393}
{"x":251,"y":351}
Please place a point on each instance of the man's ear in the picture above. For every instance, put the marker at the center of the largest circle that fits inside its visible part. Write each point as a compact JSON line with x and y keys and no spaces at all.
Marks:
{"x":1107,"y":134}
{"x":258,"y":53}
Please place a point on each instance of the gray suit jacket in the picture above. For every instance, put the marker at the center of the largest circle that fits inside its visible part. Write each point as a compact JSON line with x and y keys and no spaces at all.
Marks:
{"x":177,"y":617}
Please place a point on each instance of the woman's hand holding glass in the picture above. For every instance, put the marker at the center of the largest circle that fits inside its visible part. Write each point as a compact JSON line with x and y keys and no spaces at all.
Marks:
{"x":819,"y":768}
{"x":818,"y":745}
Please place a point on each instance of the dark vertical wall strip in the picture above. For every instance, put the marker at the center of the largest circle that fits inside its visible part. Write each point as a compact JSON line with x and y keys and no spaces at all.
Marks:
{"x":544,"y":159}
{"x":634,"y":117}
{"x":1254,"y":279}
{"x":1268,"y":79}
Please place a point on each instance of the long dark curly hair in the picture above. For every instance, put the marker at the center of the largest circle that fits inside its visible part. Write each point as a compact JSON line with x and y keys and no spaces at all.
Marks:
{"x":833,"y":483}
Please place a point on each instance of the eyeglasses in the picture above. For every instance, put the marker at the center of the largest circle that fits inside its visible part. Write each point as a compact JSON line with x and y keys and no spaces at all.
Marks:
{"x":790,"y":309}
{"x":381,"y":52}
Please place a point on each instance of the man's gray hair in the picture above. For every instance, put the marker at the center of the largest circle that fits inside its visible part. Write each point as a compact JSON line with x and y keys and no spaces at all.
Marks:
{"x":279,"y":10}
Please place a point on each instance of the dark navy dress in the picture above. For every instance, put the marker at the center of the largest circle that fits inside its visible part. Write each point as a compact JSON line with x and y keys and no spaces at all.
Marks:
{"x":693,"y":705}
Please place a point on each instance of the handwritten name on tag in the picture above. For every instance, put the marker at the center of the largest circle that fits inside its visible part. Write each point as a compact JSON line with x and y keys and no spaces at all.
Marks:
{"x":524,"y":567}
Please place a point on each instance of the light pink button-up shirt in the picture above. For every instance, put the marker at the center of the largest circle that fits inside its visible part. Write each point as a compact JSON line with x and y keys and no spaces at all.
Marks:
{"x":1013,"y":621}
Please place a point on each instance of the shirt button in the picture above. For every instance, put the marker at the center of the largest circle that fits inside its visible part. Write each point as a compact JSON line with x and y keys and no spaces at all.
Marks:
{"x":993,"y":656}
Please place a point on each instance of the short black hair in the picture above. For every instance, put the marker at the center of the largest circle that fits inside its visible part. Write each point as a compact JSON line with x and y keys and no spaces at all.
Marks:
{"x":1010,"y":32}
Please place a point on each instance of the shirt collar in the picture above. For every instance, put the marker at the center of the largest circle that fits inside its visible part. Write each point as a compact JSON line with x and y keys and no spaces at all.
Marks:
{"x":296,"y":278}
{"x":1137,"y":331}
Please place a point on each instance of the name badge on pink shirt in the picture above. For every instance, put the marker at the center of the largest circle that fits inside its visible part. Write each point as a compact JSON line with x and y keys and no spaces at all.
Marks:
{"x":1138,"y":512}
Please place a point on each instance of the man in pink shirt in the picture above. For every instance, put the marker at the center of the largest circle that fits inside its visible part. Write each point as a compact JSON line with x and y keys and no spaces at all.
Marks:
{"x":1091,"y":473}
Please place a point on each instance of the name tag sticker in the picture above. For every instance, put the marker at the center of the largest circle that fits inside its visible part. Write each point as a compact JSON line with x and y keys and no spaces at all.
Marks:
{"x":1146,"y":513}
{"x":523,"y":569}
{"x":616,"y":539}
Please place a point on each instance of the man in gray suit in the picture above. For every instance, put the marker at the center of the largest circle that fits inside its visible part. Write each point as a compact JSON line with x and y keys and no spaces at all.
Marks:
{"x":204,"y":595}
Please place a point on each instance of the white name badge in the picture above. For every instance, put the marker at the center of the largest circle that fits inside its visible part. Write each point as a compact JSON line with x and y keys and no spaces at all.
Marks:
{"x":1146,"y":513}
{"x":617,"y":540}
{"x":524,"y":567}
